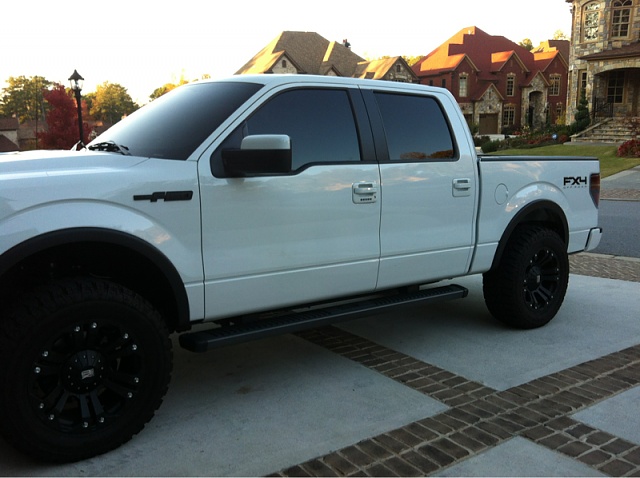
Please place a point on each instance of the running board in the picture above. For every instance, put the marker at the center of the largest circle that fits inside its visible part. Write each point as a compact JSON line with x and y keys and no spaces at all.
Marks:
{"x":202,"y":341}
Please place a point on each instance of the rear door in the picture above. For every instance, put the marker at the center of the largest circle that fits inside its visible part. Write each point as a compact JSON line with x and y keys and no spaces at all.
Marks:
{"x":305,"y":235}
{"x":428,"y":188}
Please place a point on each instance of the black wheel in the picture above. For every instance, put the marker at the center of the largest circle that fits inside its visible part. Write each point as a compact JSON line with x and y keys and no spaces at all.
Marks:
{"x":85,"y":364}
{"x":528,"y":287}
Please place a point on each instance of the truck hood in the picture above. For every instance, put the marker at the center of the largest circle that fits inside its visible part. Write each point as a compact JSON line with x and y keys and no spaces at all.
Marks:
{"x":47,"y":163}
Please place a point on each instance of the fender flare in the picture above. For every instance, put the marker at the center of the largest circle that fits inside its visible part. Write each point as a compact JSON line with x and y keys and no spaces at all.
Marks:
{"x":537,"y":211}
{"x":117,"y":238}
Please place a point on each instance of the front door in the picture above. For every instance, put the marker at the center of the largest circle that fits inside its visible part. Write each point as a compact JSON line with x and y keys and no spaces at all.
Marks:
{"x":308,"y":235}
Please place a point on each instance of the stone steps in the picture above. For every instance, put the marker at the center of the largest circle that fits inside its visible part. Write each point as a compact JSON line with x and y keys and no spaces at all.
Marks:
{"x":614,"y":130}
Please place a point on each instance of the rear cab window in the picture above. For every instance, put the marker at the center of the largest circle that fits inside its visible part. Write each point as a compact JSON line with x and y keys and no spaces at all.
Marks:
{"x":415,"y":127}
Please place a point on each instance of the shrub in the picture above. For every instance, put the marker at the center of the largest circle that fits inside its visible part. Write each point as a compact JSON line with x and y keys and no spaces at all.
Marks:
{"x":491,"y":146}
{"x":629,"y":149}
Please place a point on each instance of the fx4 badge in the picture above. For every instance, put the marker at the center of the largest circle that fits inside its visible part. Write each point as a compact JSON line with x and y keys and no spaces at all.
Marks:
{"x":575,"y":182}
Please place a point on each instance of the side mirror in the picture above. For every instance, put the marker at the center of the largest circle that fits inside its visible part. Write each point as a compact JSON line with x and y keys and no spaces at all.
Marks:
{"x":258,"y":155}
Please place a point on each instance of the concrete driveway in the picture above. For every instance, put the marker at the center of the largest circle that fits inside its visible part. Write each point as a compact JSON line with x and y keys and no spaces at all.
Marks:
{"x":440,"y":389}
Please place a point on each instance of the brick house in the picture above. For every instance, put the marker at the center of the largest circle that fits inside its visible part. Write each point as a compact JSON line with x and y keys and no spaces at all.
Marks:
{"x":310,"y":53}
{"x":605,"y":57}
{"x":498,"y":84}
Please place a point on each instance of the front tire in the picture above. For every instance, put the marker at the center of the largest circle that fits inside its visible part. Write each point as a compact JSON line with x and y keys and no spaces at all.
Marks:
{"x":85,"y":364}
{"x":529,"y":284}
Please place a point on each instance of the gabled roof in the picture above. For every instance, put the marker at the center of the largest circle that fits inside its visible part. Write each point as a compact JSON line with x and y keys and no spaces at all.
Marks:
{"x":562,"y":46}
{"x":378,"y":69}
{"x":545,"y":58}
{"x":479,"y":47}
{"x":310,"y":52}
{"x":499,"y":59}
{"x":533,"y":77}
{"x":9,"y":124}
{"x":484,"y":89}
{"x":6,"y":145}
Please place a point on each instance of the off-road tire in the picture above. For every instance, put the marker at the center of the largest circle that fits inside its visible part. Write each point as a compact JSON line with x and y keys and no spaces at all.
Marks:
{"x":529,"y":284}
{"x":85,"y":363}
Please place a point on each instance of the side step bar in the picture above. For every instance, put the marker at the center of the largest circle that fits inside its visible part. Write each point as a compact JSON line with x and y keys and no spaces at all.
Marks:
{"x":202,"y":341}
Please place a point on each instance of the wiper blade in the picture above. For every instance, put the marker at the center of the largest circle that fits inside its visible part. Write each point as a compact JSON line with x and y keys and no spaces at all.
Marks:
{"x":110,"y":147}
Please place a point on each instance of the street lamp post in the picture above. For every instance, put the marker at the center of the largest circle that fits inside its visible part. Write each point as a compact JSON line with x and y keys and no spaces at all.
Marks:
{"x":76,"y":82}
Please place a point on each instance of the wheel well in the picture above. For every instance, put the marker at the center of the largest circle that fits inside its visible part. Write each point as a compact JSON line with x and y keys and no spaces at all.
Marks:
{"x":542,"y":213}
{"x":123,"y":261}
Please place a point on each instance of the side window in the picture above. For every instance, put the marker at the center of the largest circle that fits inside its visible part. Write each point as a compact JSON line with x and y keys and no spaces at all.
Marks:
{"x":320,"y":123}
{"x":416,"y":128}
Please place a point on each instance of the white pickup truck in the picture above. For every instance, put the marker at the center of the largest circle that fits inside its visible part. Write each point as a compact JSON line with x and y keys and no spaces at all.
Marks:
{"x":261,"y":205}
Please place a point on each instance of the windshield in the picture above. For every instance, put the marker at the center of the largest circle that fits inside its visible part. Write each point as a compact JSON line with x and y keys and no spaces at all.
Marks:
{"x":175,"y":124}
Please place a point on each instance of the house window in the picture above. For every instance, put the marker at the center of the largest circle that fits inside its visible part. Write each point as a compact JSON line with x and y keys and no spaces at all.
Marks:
{"x":444,"y":82}
{"x":463,"y":90}
{"x":511,"y":83}
{"x":554,"y":89}
{"x":615,"y":87}
{"x":583,"y":87}
{"x":508,"y":115}
{"x":398,"y":68}
{"x":621,"y":18}
{"x":591,"y":21}
{"x":284,"y":63}
{"x":430,"y":82}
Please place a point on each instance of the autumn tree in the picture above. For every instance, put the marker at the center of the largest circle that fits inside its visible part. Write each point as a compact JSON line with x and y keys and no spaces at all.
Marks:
{"x":111,"y":102}
{"x":62,"y":120}
{"x":23,"y":98}
{"x":560,"y":35}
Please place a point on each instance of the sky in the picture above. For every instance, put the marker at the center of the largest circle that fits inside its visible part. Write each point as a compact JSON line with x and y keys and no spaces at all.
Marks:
{"x":144,"y":45}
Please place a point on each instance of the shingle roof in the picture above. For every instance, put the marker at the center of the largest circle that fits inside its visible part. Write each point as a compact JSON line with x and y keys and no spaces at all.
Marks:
{"x":622,"y":52}
{"x":9,"y":124}
{"x":312,"y":54}
{"x":479,"y":47}
{"x":6,"y":145}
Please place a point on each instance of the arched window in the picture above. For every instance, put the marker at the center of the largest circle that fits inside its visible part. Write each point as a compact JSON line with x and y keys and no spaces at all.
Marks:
{"x":621,"y":18}
{"x":591,"y":21}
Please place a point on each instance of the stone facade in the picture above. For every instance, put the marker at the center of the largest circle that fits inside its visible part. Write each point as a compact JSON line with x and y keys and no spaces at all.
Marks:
{"x":605,"y":57}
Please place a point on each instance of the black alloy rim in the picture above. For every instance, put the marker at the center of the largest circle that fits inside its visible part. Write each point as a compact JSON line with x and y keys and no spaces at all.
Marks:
{"x":86,"y":376}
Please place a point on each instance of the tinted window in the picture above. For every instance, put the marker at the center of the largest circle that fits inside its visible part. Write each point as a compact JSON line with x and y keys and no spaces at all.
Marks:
{"x":175,"y":124}
{"x":415,"y":127}
{"x":320,"y":123}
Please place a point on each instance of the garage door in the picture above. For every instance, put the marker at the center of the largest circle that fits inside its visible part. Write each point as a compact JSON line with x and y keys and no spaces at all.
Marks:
{"x":488,"y":124}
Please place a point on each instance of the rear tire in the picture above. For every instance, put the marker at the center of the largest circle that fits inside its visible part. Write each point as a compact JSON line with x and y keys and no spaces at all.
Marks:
{"x":85,"y":364}
{"x":529,"y":284}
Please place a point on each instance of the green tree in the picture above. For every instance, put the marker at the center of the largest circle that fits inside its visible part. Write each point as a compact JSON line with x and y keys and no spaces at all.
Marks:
{"x":527,"y":44}
{"x":166,"y":88}
{"x":111,"y":103}
{"x":23,"y":98}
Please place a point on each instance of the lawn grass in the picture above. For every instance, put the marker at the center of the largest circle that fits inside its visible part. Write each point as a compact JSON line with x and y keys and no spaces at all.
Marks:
{"x":609,"y":163}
